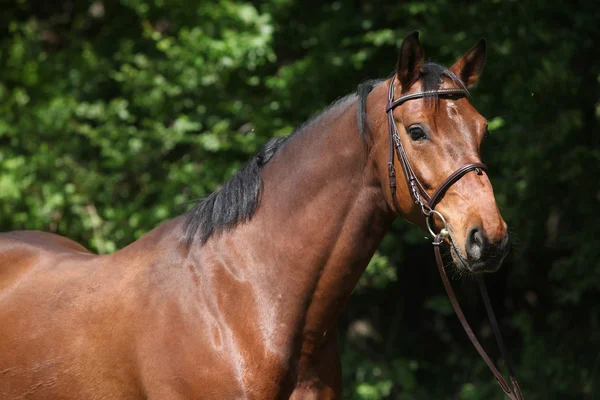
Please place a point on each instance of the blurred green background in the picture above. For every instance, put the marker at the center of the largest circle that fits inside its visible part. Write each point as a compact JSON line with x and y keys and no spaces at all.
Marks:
{"x":114,"y":114}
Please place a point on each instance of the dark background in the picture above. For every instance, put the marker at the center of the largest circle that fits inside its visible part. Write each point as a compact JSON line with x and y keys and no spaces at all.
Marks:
{"x":114,"y":114}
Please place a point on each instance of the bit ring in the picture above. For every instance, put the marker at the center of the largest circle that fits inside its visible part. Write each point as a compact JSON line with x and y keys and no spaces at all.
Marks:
{"x":444,"y":231}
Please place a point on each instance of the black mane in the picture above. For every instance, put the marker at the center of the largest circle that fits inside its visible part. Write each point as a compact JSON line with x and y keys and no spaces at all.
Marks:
{"x":235,"y":202}
{"x":238,"y":199}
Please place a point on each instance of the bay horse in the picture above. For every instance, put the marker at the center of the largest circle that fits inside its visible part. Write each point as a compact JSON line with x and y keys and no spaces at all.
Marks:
{"x":239,"y":297}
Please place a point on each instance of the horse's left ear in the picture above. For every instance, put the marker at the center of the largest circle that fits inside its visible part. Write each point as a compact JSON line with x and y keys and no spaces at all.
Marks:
{"x":408,"y":68}
{"x":471,"y":64}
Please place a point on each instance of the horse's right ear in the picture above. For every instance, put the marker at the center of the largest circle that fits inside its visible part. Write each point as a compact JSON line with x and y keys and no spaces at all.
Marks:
{"x":408,"y":68}
{"x":469,"y":67}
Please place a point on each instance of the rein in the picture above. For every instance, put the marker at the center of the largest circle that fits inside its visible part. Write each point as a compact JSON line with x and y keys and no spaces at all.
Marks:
{"x":427,"y":204}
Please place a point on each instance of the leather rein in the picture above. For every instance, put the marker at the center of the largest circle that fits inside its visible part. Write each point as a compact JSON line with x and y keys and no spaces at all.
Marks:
{"x":427,"y":204}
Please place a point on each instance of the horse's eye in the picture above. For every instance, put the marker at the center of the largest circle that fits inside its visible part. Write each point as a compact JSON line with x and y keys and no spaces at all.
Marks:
{"x":416,"y":133}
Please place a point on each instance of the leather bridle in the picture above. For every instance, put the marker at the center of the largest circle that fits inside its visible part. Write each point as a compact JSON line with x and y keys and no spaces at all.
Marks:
{"x":427,"y":204}
{"x":416,"y":189}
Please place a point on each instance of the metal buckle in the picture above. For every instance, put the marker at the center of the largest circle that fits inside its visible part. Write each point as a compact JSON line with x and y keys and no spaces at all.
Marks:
{"x":415,"y":194}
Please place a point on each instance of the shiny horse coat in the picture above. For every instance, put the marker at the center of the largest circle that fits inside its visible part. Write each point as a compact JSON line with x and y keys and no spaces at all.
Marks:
{"x":238,"y":298}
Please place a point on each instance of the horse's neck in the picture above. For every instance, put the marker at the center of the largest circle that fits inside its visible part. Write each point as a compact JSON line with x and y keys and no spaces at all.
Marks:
{"x":320,"y":220}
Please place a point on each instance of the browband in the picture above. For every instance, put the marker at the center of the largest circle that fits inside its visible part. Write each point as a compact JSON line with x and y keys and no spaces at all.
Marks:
{"x":444,"y":93}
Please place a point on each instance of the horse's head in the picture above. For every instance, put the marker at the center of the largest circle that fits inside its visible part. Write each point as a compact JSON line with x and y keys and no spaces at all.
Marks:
{"x":440,"y":132}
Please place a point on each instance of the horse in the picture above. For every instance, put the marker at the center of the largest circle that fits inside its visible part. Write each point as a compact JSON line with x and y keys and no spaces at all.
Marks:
{"x":238,"y":298}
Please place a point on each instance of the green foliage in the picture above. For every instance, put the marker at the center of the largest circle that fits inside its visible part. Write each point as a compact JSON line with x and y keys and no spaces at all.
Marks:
{"x":113,"y":115}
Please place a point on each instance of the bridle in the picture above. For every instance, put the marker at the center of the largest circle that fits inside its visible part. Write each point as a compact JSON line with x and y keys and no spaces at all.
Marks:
{"x":416,"y":189}
{"x":427,"y":204}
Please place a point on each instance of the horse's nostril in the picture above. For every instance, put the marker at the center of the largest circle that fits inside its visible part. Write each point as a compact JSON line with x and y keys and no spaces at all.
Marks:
{"x":475,"y":243}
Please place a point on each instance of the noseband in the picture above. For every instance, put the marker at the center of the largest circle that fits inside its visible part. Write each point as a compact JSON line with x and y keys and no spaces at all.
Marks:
{"x":427,"y":204}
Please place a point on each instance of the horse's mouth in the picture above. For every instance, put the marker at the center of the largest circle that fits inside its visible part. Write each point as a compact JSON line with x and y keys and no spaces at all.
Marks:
{"x":463,"y":265}
{"x":459,"y":261}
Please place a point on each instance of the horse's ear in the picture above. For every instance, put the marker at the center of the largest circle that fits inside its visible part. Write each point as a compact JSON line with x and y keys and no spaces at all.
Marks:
{"x":471,"y":64}
{"x":408,"y":68}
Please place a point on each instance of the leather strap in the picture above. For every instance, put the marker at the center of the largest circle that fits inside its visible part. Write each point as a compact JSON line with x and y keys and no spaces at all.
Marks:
{"x":498,"y":335}
{"x":453,"y":178}
{"x":515,"y":392}
{"x":443,"y":93}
